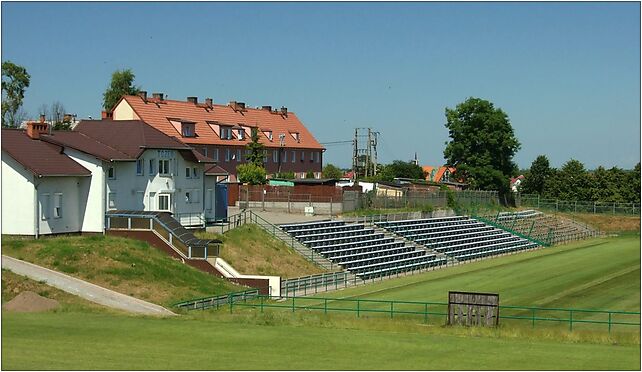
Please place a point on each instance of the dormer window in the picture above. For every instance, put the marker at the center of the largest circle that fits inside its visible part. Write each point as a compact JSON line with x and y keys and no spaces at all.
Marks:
{"x":226,"y":132}
{"x":241,"y":134}
{"x":268,"y":134}
{"x":296,"y":136}
{"x":188,"y":129}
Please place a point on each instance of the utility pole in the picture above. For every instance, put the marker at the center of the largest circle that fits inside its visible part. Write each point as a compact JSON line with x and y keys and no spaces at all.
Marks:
{"x":364,"y":157}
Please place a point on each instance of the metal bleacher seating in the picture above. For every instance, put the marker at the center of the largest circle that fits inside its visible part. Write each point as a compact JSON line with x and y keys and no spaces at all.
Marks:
{"x":459,"y":237}
{"x":361,"y":250}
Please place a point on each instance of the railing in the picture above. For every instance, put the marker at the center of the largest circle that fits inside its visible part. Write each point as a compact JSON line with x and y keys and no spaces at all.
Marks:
{"x":218,"y":301}
{"x":437,"y":311}
{"x":502,"y":227}
{"x":572,"y":206}
{"x":124,"y":221}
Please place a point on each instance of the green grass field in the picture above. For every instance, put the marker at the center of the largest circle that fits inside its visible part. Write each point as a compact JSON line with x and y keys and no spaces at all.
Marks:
{"x":601,"y":273}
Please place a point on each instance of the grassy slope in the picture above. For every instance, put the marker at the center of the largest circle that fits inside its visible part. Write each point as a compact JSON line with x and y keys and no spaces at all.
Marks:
{"x":94,"y":341}
{"x":606,"y":222}
{"x":250,"y":250}
{"x":127,"y":266}
{"x":598,"y":274}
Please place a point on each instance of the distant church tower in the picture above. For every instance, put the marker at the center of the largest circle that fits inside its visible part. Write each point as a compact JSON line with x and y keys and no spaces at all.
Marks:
{"x":416,"y":161}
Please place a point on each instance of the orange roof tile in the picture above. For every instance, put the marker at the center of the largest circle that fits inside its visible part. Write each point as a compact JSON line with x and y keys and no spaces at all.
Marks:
{"x":157,"y":114}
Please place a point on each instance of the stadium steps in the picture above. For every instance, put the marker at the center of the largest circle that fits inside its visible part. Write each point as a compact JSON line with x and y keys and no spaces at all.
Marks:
{"x":304,"y":250}
{"x":438,"y":255}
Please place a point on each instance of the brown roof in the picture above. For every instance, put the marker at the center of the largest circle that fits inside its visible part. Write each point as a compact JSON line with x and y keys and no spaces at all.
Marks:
{"x":120,"y":140}
{"x":41,"y":158}
{"x":158,"y":114}
{"x":215,"y":170}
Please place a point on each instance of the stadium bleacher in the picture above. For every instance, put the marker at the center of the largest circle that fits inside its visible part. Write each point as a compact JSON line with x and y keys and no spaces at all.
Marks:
{"x":361,"y":250}
{"x":460,"y":237}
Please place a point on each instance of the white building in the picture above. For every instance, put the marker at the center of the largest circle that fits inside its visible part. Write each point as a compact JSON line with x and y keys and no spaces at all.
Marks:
{"x":74,"y":177}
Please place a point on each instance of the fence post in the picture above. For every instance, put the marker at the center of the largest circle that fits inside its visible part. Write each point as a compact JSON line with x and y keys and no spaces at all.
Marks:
{"x":426,"y":313}
{"x":392,"y":311}
{"x":288,"y":202}
{"x":593,"y":207}
{"x":613,"y":207}
{"x":357,"y":308}
{"x":231,"y":299}
{"x":293,"y":303}
{"x":571,"y":320}
{"x":533,"y":318}
{"x":325,"y":305}
{"x":330,"y":207}
{"x":261,"y":303}
{"x":609,"y":322}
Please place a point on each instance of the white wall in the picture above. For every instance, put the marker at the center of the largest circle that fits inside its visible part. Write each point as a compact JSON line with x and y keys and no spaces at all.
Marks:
{"x":124,"y":112}
{"x":91,"y":201}
{"x":70,"y":220}
{"x":133,"y":191}
{"x":210,"y":197}
{"x":17,"y":198}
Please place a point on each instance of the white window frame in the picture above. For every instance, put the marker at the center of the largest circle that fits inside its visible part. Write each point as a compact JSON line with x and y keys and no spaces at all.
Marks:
{"x":241,"y":134}
{"x":57,"y":205}
{"x":140,"y":167}
{"x":275,"y":156}
{"x":45,"y":201}
{"x":169,"y":202}
{"x":164,"y":167}
{"x":187,"y":197}
{"x":188,"y":129}
{"x":227,"y":154}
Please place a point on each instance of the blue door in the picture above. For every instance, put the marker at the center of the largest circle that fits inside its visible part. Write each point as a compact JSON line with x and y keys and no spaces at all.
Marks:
{"x":220,"y":209}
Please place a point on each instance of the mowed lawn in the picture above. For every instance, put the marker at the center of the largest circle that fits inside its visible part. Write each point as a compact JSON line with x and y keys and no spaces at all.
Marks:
{"x":95,"y":341}
{"x":598,"y":274}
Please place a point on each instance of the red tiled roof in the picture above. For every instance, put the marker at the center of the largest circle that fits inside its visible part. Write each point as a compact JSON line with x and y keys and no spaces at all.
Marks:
{"x":41,"y":158}
{"x":215,"y":170}
{"x":157,"y":114}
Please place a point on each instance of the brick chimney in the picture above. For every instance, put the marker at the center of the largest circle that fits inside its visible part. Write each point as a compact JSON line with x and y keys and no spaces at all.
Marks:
{"x":241,"y":105}
{"x":284,"y":111}
{"x":42,"y":118}
{"x":267,"y":108}
{"x":34,"y":129}
{"x":209,"y":103}
{"x":193,"y":100}
{"x":106,"y":115}
{"x":143,"y":94}
{"x":158,"y":96}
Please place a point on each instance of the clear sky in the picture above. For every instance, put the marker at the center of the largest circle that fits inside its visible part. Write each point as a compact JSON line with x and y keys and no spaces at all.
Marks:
{"x":567,"y":74}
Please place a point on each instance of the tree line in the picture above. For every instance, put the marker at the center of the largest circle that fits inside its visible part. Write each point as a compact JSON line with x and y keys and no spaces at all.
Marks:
{"x":574,"y":182}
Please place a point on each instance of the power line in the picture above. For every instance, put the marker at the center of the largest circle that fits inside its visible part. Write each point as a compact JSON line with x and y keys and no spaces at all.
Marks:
{"x":336,"y":142}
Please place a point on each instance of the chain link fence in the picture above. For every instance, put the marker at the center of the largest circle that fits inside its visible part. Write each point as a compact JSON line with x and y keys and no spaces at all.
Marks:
{"x":595,"y":207}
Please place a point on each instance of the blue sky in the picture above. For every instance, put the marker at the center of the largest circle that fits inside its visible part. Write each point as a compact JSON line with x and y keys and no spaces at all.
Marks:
{"x":567,"y":74}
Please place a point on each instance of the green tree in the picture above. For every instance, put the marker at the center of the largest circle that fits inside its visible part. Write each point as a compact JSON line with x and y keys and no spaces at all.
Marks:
{"x":399,"y":169}
{"x":251,"y":173}
{"x":256,"y":149}
{"x":286,"y":175}
{"x":572,"y":182}
{"x":536,"y":176}
{"x":331,"y":171}
{"x":122,"y":84}
{"x":309,"y":174}
{"x":15,"y":80}
{"x":482,"y":145}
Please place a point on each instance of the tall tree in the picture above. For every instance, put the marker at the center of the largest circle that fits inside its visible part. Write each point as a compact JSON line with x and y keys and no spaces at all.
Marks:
{"x":572,"y":182}
{"x":15,"y":80}
{"x":482,"y":145}
{"x":122,"y":84}
{"x":535,"y":178}
{"x":256,"y":149}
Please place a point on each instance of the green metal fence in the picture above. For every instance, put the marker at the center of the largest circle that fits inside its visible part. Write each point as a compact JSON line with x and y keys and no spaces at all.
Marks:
{"x":437,"y":312}
{"x":577,"y":206}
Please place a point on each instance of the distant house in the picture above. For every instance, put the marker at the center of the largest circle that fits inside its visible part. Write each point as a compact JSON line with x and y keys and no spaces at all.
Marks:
{"x":516,"y":182}
{"x":438,"y":174}
{"x":73,"y":177}
{"x":222,"y":132}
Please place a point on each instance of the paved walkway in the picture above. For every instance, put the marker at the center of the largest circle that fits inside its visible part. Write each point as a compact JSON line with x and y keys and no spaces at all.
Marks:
{"x":83,"y":289}
{"x":278,"y":218}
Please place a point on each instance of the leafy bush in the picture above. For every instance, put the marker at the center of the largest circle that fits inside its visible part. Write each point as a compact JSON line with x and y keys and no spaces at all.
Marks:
{"x":251,"y":173}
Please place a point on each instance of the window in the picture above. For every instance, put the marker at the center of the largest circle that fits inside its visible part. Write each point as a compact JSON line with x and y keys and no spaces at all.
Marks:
{"x":152,"y":167}
{"x":285,"y":156}
{"x":44,"y":206}
{"x":215,"y":154}
{"x":241,"y":134}
{"x":265,"y":156}
{"x":140,"y":167}
{"x":209,"y":197}
{"x":111,"y":200}
{"x":226,"y":132}
{"x":57,"y":212}
{"x":296,"y":136}
{"x":163,"y":167}
{"x":318,"y":157}
{"x":187,"y":172}
{"x":227,"y":154}
{"x":188,"y":130}
{"x":311,"y":156}
{"x":238,"y":155}
{"x":302,"y":155}
{"x":293,"y":156}
{"x":164,"y":201}
{"x":204,"y":151}
{"x":275,"y":156}
{"x":111,"y":172}
{"x":268,"y":134}
{"x":187,"y":195}
{"x":195,"y":172}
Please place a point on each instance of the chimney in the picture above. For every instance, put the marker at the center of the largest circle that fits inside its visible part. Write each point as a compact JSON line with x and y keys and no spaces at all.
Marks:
{"x":42,"y":118}
{"x":284,"y":111}
{"x":103,"y":115}
{"x":158,"y":96}
{"x":233,"y":105}
{"x":209,"y":103}
{"x":268,"y":108}
{"x":143,"y":94}
{"x":241,"y":105}
{"x":193,"y":100}
{"x":34,"y":130}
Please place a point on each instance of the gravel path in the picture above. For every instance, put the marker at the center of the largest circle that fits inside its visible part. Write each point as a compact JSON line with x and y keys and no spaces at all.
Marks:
{"x":83,"y":289}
